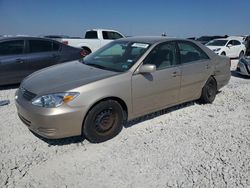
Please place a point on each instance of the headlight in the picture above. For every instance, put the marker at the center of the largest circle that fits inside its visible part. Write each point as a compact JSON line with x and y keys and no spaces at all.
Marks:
{"x":217,"y":49}
{"x":54,"y":100}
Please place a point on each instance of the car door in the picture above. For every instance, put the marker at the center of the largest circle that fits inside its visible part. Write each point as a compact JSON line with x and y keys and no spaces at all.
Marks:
{"x":41,"y":55}
{"x":237,"y":48}
{"x":196,"y":67}
{"x":12,"y":61}
{"x":153,"y":91}
{"x":92,"y":40}
{"x":230,"y":49}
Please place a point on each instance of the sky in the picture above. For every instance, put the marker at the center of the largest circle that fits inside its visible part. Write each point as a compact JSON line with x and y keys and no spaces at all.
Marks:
{"x":177,"y":18}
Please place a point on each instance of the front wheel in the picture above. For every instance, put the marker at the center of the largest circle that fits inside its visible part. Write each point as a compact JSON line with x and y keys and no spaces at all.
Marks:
{"x":209,"y":91}
{"x":103,"y":122}
{"x":241,"y":54}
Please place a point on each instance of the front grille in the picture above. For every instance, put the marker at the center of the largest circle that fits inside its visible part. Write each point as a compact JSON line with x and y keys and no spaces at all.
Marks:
{"x":27,"y":94}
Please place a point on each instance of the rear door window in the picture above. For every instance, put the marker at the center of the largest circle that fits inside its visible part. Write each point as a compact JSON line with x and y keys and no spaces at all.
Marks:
{"x":236,"y":43}
{"x":110,"y":35}
{"x":14,"y":47}
{"x":190,"y":52}
{"x":40,"y":46}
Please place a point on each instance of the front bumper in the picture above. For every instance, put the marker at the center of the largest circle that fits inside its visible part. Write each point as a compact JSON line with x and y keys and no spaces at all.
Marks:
{"x":52,"y":123}
{"x":243,"y":69}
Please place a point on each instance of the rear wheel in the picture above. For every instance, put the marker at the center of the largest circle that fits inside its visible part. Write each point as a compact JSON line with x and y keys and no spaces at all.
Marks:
{"x":103,"y":122}
{"x":87,"y":51}
{"x":209,"y":91}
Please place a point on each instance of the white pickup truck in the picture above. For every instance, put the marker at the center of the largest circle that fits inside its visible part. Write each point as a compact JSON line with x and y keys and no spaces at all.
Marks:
{"x":94,"y":39}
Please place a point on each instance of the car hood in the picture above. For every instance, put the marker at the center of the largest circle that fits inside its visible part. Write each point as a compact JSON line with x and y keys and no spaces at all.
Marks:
{"x":63,"y":77}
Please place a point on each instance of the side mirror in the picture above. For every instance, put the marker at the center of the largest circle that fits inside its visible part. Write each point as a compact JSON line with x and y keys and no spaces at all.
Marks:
{"x":229,"y":45}
{"x":148,"y":68}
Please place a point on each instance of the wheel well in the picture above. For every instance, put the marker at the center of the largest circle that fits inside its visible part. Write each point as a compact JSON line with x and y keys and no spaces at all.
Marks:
{"x":223,"y":53}
{"x":120,"y":101}
{"x":86,"y":48}
{"x":212,"y":76}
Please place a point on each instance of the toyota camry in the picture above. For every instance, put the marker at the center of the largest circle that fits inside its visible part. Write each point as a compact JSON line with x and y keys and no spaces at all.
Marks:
{"x":123,"y":80}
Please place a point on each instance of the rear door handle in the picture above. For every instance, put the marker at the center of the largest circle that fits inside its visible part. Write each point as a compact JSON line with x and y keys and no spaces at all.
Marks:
{"x":20,"y":60}
{"x":175,"y":73}
{"x":208,"y":66}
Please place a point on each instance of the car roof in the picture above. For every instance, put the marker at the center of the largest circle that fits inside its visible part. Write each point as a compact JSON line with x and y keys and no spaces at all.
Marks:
{"x":222,"y":39}
{"x":150,"y":39}
{"x":24,"y":38}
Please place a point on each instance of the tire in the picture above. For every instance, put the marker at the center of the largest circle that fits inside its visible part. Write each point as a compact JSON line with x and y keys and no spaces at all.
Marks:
{"x":241,"y":54}
{"x":223,"y":53}
{"x":103,"y":122}
{"x":209,"y":91}
{"x":86,"y":50}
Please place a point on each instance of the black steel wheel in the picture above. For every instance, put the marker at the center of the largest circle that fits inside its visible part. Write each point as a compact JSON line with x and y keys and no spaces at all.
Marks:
{"x":103,"y":122}
{"x":209,"y":91}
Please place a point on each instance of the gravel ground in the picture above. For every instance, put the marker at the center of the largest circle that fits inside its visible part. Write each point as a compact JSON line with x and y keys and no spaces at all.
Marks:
{"x":190,"y":145}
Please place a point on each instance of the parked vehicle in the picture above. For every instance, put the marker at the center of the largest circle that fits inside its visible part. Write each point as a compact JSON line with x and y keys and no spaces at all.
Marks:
{"x":231,"y":47}
{"x":21,"y":56}
{"x":206,"y":39}
{"x":94,"y":39}
{"x":125,"y":79}
{"x":243,"y":66}
{"x":56,"y":37}
{"x":247,"y":44}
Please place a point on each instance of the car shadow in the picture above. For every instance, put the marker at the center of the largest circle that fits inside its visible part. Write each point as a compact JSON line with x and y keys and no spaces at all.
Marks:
{"x":159,"y":113}
{"x":62,"y":141}
{"x":6,"y":87}
{"x":80,"y":139}
{"x":236,"y":74}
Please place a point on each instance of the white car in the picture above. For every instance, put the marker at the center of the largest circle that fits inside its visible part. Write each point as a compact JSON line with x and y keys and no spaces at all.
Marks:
{"x":231,"y":47}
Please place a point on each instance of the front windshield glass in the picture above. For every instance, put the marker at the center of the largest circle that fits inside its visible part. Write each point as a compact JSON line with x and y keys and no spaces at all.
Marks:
{"x":118,"y":56}
{"x":217,"y":43}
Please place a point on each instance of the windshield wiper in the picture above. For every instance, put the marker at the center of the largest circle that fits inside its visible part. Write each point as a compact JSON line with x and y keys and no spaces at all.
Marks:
{"x":97,"y":66}
{"x":102,"y":67}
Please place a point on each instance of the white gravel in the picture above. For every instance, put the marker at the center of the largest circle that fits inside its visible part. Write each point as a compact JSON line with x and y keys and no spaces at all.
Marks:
{"x":190,"y":145}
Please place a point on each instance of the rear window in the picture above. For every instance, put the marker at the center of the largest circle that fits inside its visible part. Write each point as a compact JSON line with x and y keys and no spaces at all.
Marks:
{"x":91,"y":35}
{"x":40,"y":46}
{"x":12,"y":47}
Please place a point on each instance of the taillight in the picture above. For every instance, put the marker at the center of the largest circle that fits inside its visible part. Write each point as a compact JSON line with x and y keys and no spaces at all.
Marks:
{"x":65,"y":42}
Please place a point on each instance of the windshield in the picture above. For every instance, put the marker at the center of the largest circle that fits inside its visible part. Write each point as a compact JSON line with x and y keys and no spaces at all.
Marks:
{"x":118,"y":56}
{"x":217,"y":43}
